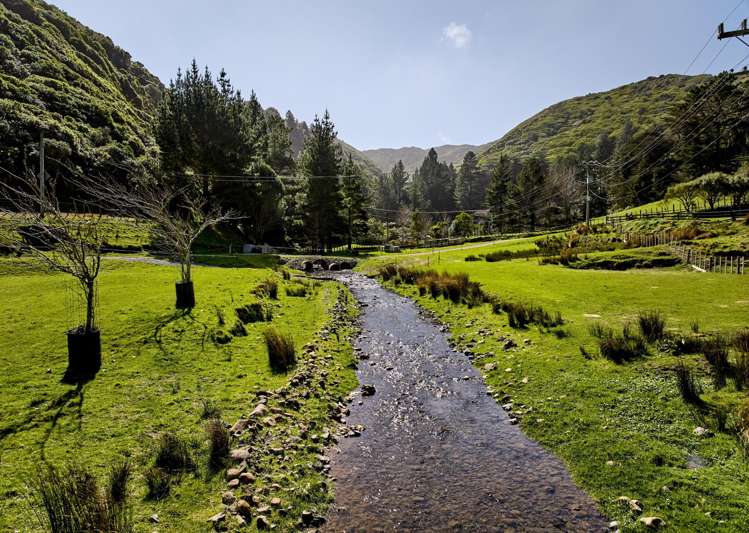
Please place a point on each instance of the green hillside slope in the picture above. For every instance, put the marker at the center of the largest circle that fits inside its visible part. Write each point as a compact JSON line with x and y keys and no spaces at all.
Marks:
{"x":568,"y":125}
{"x":92,"y":99}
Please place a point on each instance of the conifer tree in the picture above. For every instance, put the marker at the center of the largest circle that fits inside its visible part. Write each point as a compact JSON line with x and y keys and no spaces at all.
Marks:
{"x":321,"y":164}
{"x":354,"y":201}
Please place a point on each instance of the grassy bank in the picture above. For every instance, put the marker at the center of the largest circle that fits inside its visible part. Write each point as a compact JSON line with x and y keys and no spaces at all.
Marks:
{"x":161,"y":372}
{"x":622,"y":429}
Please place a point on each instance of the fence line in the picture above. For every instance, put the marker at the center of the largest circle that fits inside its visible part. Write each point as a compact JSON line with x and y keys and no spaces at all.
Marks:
{"x":710,"y":263}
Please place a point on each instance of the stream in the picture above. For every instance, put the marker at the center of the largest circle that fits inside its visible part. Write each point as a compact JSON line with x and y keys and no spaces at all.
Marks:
{"x":437,"y":452}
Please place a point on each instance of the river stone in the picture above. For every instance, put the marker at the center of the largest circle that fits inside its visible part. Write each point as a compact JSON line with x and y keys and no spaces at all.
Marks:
{"x":490,"y":366}
{"x":246,"y":478}
{"x":239,"y":454}
{"x":613,"y":525}
{"x":234,"y":473}
{"x":262,"y":522}
{"x":227,"y":498}
{"x":367,"y":390}
{"x":217,"y":518}
{"x":244,"y":509}
{"x":260,"y":410}
{"x":702,"y":432}
{"x":653,"y":522}
{"x":275,"y":502}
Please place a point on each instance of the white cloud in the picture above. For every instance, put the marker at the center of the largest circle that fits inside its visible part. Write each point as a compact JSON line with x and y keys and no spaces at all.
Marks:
{"x":459,"y":34}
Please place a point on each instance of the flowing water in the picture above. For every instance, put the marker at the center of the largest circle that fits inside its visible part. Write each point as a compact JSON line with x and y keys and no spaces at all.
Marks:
{"x":437,"y":453}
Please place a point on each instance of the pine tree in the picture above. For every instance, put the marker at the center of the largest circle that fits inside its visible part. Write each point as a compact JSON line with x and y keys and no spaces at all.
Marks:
{"x":469,"y":189}
{"x":321,"y":164}
{"x":354,"y":201}
{"x":398,"y":178}
{"x":530,"y":186}
{"x":498,"y":193}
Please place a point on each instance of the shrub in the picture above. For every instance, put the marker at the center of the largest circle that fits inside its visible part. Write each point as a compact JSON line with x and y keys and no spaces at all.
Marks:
{"x":158,"y":483}
{"x":285,"y":274}
{"x":173,"y":454}
{"x":267,"y":288}
{"x":689,"y":387}
{"x":71,"y":500}
{"x":715,"y":351}
{"x":652,"y":325}
{"x":281,"y":350}
{"x":219,"y":440}
{"x":472,"y":257}
{"x":296,"y":290}
{"x":621,"y":348}
{"x":209,"y":410}
{"x":254,"y":312}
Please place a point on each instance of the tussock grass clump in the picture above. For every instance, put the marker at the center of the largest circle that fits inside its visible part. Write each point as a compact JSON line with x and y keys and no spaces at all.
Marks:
{"x":281,"y":350}
{"x":740,"y":425}
{"x":599,"y":331}
{"x":620,"y":348}
{"x":158,"y":483}
{"x":471,"y":258}
{"x":219,"y":440}
{"x":715,"y":351}
{"x":254,"y":312}
{"x":520,"y":314}
{"x":689,"y":387}
{"x":209,"y":410}
{"x":267,"y":288}
{"x":173,"y":454}
{"x":285,"y":274}
{"x":296,"y":290}
{"x":238,"y":329}
{"x":740,"y":341}
{"x":652,"y":325}
{"x":387,"y":272}
{"x":741,"y":371}
{"x":70,"y":500}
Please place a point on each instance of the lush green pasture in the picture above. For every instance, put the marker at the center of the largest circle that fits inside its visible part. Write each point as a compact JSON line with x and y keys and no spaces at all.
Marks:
{"x":623,"y":430}
{"x":158,"y":367}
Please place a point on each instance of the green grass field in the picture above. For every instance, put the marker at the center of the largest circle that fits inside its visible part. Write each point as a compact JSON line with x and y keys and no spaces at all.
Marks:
{"x":158,"y":366}
{"x":623,"y":430}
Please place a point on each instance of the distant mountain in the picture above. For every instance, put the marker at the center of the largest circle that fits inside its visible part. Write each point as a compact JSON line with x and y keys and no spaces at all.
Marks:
{"x":299,"y":131}
{"x":571,"y":125}
{"x":413,"y":156}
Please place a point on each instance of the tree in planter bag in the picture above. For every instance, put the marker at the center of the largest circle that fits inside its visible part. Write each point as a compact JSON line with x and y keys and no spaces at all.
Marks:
{"x":70,"y":243}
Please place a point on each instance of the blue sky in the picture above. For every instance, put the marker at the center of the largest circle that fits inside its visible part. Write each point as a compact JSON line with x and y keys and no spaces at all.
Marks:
{"x":419,"y":72}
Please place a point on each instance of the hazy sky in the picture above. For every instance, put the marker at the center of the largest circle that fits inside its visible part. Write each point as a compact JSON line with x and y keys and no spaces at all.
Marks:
{"x":419,"y":72}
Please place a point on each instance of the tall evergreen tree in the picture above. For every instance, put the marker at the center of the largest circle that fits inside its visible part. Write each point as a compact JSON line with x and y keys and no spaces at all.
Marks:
{"x":321,"y":164}
{"x":354,"y":201}
{"x":469,"y":189}
{"x":499,"y":192}
{"x":530,"y":186}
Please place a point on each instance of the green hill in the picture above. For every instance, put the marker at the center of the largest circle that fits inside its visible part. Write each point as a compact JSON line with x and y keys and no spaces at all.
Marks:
{"x":567,"y":126}
{"x":93,"y":100}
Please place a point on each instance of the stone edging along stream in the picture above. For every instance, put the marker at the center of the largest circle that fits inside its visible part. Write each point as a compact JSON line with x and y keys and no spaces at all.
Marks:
{"x":279,"y":473}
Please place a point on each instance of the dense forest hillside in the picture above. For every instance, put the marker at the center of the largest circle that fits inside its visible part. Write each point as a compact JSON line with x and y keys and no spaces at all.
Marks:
{"x":413,"y":156}
{"x":94,"y":102}
{"x":573,"y":126}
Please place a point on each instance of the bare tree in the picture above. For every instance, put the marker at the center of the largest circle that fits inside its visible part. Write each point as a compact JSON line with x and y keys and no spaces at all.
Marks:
{"x":35,"y":224}
{"x":178,"y":216}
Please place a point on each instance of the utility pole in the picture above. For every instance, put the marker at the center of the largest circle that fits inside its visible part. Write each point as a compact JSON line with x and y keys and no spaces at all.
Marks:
{"x":587,"y":195}
{"x":41,"y":172}
{"x":742,"y":31}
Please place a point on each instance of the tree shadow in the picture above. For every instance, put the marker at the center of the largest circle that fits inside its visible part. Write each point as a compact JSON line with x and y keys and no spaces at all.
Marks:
{"x":59,"y":405}
{"x":163,"y":323}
